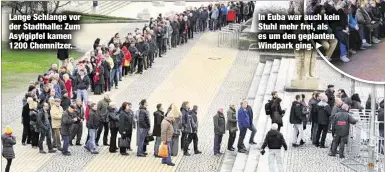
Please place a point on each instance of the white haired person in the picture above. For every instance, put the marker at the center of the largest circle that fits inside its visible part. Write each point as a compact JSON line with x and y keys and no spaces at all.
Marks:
{"x":340,"y":130}
{"x":323,"y":112}
{"x":274,"y":141}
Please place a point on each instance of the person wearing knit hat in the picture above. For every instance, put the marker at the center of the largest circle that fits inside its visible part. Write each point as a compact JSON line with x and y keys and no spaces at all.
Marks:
{"x":8,"y":140}
{"x":219,"y":130}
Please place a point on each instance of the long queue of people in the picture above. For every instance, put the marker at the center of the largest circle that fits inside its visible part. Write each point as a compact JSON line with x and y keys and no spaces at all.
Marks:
{"x":57,"y":104}
{"x":361,"y":24}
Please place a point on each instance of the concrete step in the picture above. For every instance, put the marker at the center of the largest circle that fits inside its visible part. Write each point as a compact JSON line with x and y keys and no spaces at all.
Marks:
{"x":229,"y":157}
{"x":241,"y":158}
{"x":115,"y":6}
{"x":261,"y":121}
{"x":283,"y":75}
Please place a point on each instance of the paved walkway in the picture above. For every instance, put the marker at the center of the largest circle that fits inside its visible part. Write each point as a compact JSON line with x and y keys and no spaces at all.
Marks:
{"x":368,"y":64}
{"x":185,"y":73}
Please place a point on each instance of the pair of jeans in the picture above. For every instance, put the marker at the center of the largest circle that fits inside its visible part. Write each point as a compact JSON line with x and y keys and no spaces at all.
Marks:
{"x":194,"y":137}
{"x":76,"y":131}
{"x":324,"y":130}
{"x":35,"y":138}
{"x":297,"y":133}
{"x":242,"y":135}
{"x":253,"y":132}
{"x":142,"y":136}
{"x":120,"y":72}
{"x":140,"y":65}
{"x":83,"y":95}
{"x":114,"y":76}
{"x":91,"y":141}
{"x":158,"y":142}
{"x":114,"y":134}
{"x":217,"y":143}
{"x":189,"y":138}
{"x":66,"y":143}
{"x":43,"y":135}
{"x":343,"y":49}
{"x":314,"y":129}
{"x":232,"y":136}
{"x":100,"y":130}
{"x":275,"y":160}
{"x":132,"y":65}
{"x":168,"y":159}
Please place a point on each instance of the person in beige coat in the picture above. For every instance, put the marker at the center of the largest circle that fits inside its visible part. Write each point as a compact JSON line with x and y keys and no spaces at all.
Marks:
{"x":167,"y":132}
{"x":56,"y":115}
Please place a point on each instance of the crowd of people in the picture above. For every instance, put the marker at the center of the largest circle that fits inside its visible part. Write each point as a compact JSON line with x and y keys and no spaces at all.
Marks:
{"x":56,"y":106}
{"x":361,"y":24}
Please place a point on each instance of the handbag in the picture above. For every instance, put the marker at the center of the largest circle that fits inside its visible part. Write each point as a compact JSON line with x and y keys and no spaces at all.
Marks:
{"x":163,"y":151}
{"x":123,"y":142}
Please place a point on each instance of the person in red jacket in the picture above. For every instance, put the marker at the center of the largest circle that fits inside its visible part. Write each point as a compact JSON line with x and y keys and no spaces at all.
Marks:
{"x":126,"y":61}
{"x":68,"y":85}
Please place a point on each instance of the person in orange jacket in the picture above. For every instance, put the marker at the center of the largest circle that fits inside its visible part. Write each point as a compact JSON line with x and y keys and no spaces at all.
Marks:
{"x":126,"y":61}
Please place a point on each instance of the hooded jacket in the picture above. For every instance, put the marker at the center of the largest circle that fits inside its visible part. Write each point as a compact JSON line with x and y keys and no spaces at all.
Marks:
{"x":313,"y":110}
{"x":93,"y":121}
{"x":144,"y":118}
{"x":296,"y":115}
{"x":323,"y":112}
{"x":341,"y":123}
{"x":127,"y":56}
{"x":102,"y":109}
{"x":112,"y":117}
{"x":274,"y":140}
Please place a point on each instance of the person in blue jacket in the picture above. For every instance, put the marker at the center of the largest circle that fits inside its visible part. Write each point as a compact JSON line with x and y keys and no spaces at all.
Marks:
{"x":244,"y":123}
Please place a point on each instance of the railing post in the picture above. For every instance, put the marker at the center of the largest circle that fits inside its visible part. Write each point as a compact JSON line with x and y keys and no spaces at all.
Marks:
{"x":372,"y":139}
{"x":353,"y":87}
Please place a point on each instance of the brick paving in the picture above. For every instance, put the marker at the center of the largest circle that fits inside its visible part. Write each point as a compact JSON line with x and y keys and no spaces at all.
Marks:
{"x":368,"y":64}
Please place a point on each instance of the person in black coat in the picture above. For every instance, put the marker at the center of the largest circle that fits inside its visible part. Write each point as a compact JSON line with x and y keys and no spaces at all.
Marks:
{"x":113,"y":121}
{"x":143,"y":127}
{"x":156,"y":132}
{"x":143,"y":51}
{"x":324,"y":111}
{"x":66,"y":123}
{"x":296,"y":118}
{"x":276,"y":110}
{"x":92,"y":124}
{"x":125,"y":125}
{"x":25,"y":119}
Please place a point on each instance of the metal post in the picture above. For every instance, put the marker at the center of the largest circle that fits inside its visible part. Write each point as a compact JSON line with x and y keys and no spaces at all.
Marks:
{"x":371,"y":146}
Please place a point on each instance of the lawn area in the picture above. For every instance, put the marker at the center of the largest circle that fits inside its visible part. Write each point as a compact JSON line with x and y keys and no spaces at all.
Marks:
{"x":22,"y":66}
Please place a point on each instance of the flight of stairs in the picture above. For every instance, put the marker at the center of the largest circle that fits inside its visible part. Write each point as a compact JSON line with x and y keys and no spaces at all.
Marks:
{"x":270,"y":76}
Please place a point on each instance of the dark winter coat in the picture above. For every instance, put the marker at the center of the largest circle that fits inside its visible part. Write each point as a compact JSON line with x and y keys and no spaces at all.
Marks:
{"x":274,"y":140}
{"x":112,"y":117}
{"x":232,"y":120}
{"x":25,"y":115}
{"x":66,"y":122}
{"x":144,"y":118}
{"x":33,"y":121}
{"x":65,"y":103}
{"x":296,"y":113}
{"x":82,"y":84}
{"x":102,"y":109}
{"x":313,"y":110}
{"x":194,"y":115}
{"x":158,"y":118}
{"x":8,"y":141}
{"x":43,"y":123}
{"x":190,"y":125}
{"x":125,"y":122}
{"x":93,"y":121}
{"x":243,"y":118}
{"x":185,"y":114}
{"x":331,"y":98}
{"x":277,"y":112}
{"x":142,"y":48}
{"x":324,"y":113}
{"x":381,"y":116}
{"x":219,"y":123}
{"x":356,"y":105}
{"x":79,"y":111}
{"x":341,"y":123}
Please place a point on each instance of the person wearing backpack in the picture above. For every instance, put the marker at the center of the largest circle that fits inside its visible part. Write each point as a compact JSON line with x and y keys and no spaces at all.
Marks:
{"x":276,"y":110}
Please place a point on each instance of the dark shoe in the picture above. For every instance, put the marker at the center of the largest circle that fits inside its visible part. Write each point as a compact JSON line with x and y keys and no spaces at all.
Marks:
{"x":42,"y":152}
{"x":302,"y":142}
{"x":116,"y":87}
{"x":114,"y":151}
{"x":85,"y":147}
{"x":342,"y":156}
{"x":66,"y":153}
{"x":295,"y":145}
{"x":198,"y":152}
{"x":323,"y":146}
{"x":51,"y":151}
{"x":142,"y":155}
{"x":71,"y":144}
{"x":94,"y":152}
{"x":230,"y":149}
{"x":171,"y":164}
{"x":60,"y":149}
{"x":156,"y":156}
{"x":78,"y":144}
{"x":332,"y":154}
{"x":106,"y":144}
{"x":24,"y":144}
{"x":242,"y":151}
{"x":97,"y":144}
{"x":164,"y":162}
{"x":252,"y":143}
{"x":124,"y":154}
{"x":186,"y":154}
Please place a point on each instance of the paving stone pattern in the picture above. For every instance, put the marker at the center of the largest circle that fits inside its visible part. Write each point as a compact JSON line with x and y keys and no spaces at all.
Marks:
{"x":137,"y":90}
{"x":233,"y":89}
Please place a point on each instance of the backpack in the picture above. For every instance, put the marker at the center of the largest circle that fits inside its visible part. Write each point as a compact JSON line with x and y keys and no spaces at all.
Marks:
{"x":268,"y":108}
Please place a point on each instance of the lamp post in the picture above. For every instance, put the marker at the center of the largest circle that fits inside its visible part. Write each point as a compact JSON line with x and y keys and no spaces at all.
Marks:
{"x":371,"y":146}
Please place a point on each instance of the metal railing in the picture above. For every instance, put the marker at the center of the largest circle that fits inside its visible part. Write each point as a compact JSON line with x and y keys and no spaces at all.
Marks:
{"x":229,"y":35}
